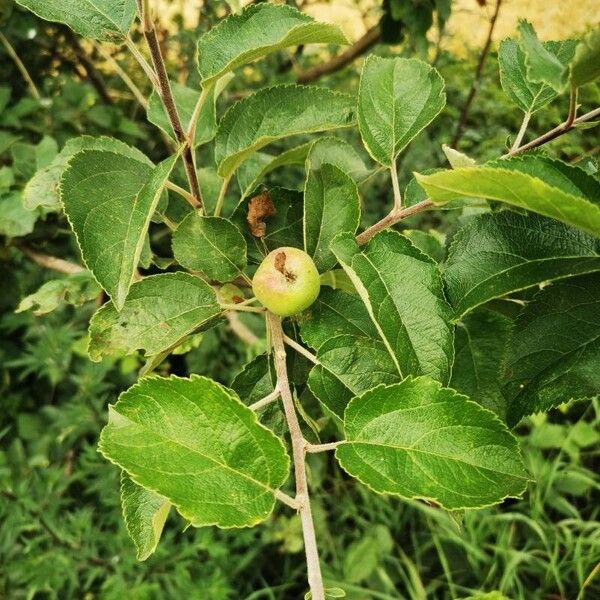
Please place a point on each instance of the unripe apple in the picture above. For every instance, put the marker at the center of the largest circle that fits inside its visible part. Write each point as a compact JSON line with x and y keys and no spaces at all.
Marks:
{"x":287,"y":281}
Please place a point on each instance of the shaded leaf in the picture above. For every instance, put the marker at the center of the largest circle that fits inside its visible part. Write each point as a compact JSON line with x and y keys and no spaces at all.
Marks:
{"x":586,"y":63}
{"x":554,"y":353}
{"x":499,"y":253}
{"x":212,"y":245}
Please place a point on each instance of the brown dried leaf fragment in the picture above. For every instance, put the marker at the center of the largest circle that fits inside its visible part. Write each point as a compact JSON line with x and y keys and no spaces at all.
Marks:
{"x":260,"y":208}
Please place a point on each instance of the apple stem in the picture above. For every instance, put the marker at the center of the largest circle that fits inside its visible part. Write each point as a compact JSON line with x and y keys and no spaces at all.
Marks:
{"x":299,"y":445}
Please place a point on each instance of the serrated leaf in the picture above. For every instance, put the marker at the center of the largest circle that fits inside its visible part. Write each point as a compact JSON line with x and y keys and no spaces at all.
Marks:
{"x":227,"y":476}
{"x":479,"y":350}
{"x":159,"y":311}
{"x":499,"y":253}
{"x":260,"y":164}
{"x":457,"y":159}
{"x":528,"y":95}
{"x":534,"y":183}
{"x":43,"y":188}
{"x":416,"y":439}
{"x":349,"y":365}
{"x":255,"y":32}
{"x":402,"y":290}
{"x":212,"y":245}
{"x":585,"y":67}
{"x":541,"y":64}
{"x":274,"y":113}
{"x":338,"y":152}
{"x":144,"y":513}
{"x":554,"y":353}
{"x":185,"y":100}
{"x":74,"y":289}
{"x":331,"y":206}
{"x":109,"y":199}
{"x":397,"y":99}
{"x":104,"y":20}
{"x":334,"y":313}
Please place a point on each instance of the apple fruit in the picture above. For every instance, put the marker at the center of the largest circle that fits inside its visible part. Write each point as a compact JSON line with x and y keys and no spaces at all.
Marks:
{"x":287,"y":281}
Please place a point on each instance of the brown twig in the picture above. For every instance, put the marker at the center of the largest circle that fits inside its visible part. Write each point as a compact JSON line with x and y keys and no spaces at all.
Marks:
{"x":51,"y":262}
{"x":556,"y":132}
{"x":166,"y":94}
{"x":476,"y":79}
{"x":368,"y":40}
{"x":392,"y":218}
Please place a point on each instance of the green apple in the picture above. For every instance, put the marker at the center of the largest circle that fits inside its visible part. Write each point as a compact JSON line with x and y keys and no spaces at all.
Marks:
{"x":287,"y":281}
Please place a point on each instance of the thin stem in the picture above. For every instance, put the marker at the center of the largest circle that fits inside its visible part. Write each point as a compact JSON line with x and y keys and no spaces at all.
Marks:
{"x":269,"y":399}
{"x":522,"y":131}
{"x":191,"y":132}
{"x":314,"y":448}
{"x":572,"y":107}
{"x":21,"y":66}
{"x":301,"y":350}
{"x":123,"y":75}
{"x":247,"y":301}
{"x":241,"y":308}
{"x":163,"y":87}
{"x":244,"y":333}
{"x":139,"y":57}
{"x":392,"y":218}
{"x":315,"y":579}
{"x":556,"y":132}
{"x":184,"y":193}
{"x":396,"y":186}
{"x":221,"y":198}
{"x":283,"y":497}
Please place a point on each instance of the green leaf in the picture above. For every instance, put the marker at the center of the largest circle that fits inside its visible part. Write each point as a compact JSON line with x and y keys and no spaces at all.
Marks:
{"x":260,"y":164}
{"x":499,"y":253}
{"x":542,"y":65}
{"x":28,"y":158}
{"x":338,"y":152}
{"x":397,"y":99}
{"x":255,"y":32}
{"x":554,"y":353}
{"x":335,"y":313}
{"x":185,"y":100}
{"x":226,"y":476}
{"x":284,"y":228}
{"x":212,"y":245}
{"x":586,"y":63}
{"x":349,"y":365}
{"x":43,"y":188}
{"x":76,"y":289}
{"x":144,"y":513}
{"x":274,"y":113}
{"x":418,"y":440}
{"x":331,"y":206}
{"x":457,"y":159}
{"x":109,"y":199}
{"x":159,"y":311}
{"x":104,"y":20}
{"x":534,"y":183}
{"x":528,"y":95}
{"x":479,"y":350}
{"x":15,"y":220}
{"x":402,"y":290}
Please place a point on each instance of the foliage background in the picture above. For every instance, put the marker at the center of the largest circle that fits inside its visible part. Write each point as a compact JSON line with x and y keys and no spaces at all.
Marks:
{"x":61,"y":532}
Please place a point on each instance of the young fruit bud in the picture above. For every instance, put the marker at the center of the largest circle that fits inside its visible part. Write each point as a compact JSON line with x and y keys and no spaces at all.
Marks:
{"x":286,"y":282}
